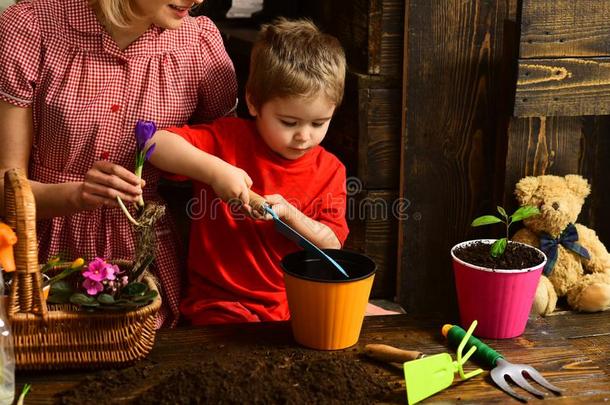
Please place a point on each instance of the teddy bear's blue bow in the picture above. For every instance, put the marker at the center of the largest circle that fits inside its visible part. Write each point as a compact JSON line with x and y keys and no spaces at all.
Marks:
{"x":567,"y":239}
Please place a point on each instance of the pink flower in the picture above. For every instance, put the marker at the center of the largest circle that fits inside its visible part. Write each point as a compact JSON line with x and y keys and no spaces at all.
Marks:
{"x":98,"y":270}
{"x":125,"y":280}
{"x":93,"y":287}
{"x":111,"y":270}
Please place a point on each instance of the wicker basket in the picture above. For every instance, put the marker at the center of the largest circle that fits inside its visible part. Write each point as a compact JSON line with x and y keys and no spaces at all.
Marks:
{"x":59,"y":336}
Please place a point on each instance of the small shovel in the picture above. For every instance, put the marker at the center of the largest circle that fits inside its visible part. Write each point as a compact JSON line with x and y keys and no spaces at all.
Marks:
{"x":425,"y":376}
{"x":501,"y":368}
{"x":258,"y":202}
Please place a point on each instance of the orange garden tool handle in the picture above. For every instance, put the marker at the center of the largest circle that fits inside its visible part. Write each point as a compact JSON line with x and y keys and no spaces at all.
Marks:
{"x":391,"y":354}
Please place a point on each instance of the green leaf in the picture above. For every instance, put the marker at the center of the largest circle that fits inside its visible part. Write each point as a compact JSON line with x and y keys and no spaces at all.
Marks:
{"x":67,"y":272}
{"x":502,"y":212}
{"x":60,"y":293}
{"x":83,"y":300}
{"x":485,"y":220}
{"x":149,"y":296}
{"x":59,"y":298}
{"x":61,"y":287}
{"x":105,"y":299}
{"x":524,"y":212}
{"x":134,"y":288}
{"x":498,"y":247}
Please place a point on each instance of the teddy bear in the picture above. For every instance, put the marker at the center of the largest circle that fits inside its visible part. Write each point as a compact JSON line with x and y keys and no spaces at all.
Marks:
{"x":578,"y":264}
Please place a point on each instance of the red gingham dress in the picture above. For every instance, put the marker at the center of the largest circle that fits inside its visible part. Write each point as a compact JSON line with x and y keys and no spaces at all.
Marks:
{"x":86,"y":96}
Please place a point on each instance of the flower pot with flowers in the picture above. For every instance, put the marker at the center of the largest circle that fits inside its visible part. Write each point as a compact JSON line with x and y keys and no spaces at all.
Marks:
{"x":98,"y":312}
{"x":496,"y":279}
{"x":114,"y":285}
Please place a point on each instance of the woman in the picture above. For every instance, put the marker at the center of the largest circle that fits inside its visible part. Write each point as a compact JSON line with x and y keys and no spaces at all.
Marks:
{"x":74,"y":79}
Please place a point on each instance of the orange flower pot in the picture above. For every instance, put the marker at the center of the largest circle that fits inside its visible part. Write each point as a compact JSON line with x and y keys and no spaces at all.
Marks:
{"x":327,"y":309}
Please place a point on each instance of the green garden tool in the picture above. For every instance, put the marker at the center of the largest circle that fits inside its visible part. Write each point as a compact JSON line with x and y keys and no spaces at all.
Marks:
{"x":501,"y":368}
{"x":426,"y":375}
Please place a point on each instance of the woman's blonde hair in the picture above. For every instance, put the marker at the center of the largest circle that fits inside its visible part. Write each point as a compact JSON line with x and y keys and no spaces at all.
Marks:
{"x":293,"y":58}
{"x":120,"y":13}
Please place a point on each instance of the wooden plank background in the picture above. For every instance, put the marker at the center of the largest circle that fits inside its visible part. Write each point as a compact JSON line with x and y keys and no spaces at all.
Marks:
{"x":462,"y":150}
{"x":564,"y":65}
{"x":452,"y":81}
{"x":563,"y":87}
{"x":565,"y":28}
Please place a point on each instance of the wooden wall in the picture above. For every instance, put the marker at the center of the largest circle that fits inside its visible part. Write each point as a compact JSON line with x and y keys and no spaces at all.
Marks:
{"x":366,"y":130}
{"x":495,"y":91}
{"x":562,"y":93}
{"x":452,"y":114}
{"x":448,"y":104}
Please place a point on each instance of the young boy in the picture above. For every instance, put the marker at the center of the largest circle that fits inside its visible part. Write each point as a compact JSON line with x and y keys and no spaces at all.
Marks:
{"x":295,"y":84}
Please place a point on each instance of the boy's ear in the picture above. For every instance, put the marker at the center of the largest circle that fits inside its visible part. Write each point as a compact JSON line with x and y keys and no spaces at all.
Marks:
{"x":251,"y":108}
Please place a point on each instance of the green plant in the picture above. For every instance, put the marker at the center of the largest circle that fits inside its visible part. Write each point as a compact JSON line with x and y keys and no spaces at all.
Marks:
{"x":100,"y":285}
{"x":498,"y":247}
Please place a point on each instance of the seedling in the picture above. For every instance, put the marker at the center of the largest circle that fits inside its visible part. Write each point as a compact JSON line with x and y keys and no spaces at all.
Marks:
{"x":499,"y":246}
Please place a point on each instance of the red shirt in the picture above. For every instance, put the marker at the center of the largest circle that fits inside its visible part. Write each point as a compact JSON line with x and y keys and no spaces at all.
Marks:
{"x":234,"y":261}
{"x":86,"y":95}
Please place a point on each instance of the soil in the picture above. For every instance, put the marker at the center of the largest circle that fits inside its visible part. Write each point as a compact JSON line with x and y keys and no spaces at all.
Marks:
{"x":282,"y":376}
{"x":516,"y":256}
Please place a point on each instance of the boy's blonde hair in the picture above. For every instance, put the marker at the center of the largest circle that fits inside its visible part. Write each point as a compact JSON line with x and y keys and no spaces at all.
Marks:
{"x":120,"y":13}
{"x":293,"y":58}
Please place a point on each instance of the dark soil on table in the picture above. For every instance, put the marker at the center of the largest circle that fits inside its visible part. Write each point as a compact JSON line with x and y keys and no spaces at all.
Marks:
{"x":516,"y":256}
{"x":282,"y":376}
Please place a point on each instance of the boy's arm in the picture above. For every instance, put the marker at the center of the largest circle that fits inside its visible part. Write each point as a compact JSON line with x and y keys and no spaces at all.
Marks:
{"x":175,"y":154}
{"x":316,"y":232}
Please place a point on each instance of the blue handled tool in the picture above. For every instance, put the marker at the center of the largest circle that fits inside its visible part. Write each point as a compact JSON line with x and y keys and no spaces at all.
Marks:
{"x":259,"y":203}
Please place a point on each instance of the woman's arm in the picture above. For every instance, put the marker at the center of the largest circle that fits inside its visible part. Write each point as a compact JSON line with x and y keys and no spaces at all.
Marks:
{"x":174,"y":154}
{"x":102,"y":183}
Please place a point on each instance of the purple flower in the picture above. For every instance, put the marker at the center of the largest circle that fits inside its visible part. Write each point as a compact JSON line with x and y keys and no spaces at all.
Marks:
{"x":150,"y":151}
{"x":93,"y":287}
{"x":144,"y":131}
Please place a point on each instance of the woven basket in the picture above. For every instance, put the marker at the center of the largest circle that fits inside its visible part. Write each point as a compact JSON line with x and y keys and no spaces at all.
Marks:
{"x":60,"y":336}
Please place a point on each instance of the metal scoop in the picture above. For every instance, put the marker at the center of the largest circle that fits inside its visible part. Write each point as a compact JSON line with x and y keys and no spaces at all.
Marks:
{"x":502,"y":368}
{"x":258,"y":202}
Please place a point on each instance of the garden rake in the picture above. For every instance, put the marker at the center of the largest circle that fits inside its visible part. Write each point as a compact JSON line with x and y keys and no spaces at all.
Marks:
{"x":501,"y":367}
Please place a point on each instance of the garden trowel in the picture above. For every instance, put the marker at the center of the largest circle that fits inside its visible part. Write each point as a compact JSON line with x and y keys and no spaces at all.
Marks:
{"x":259,"y":203}
{"x":427,"y":375}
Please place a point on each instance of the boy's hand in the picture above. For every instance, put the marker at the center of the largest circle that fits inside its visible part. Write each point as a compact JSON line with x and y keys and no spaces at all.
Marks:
{"x":282,"y":208}
{"x":231,"y":183}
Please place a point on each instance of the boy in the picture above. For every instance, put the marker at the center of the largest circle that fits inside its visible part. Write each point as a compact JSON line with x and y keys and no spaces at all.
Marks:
{"x":295,"y":83}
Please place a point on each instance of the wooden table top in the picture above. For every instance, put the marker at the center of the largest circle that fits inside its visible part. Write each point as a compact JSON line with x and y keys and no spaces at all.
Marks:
{"x":570,"y":350}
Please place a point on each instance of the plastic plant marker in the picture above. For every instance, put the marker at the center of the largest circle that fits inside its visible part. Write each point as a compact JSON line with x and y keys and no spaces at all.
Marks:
{"x":290,"y":233}
{"x":7,"y":240}
{"x":429,"y":375}
{"x":501,"y":368}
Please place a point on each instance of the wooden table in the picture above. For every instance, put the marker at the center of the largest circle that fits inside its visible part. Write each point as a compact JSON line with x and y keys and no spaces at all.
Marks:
{"x":570,"y":350}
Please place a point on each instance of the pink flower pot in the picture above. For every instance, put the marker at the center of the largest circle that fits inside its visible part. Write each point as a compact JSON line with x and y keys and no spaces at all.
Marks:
{"x":500,"y":300}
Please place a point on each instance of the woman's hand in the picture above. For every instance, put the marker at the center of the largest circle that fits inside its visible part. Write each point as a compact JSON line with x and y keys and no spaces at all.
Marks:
{"x":231,"y":183}
{"x":104,"y":182}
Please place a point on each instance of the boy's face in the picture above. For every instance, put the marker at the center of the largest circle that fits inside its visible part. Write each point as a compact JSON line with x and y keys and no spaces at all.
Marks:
{"x":292,"y":126}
